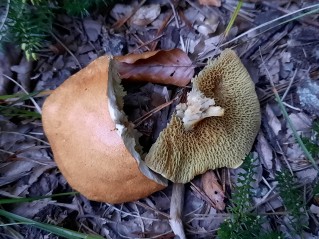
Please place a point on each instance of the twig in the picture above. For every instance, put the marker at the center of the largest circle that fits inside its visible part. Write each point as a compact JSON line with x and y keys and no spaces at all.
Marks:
{"x":138,"y":121}
{"x":131,"y":214}
{"x":289,"y":86}
{"x":67,"y":49}
{"x":166,"y":21}
{"x":291,"y":107}
{"x":265,"y":199}
{"x":121,"y":22}
{"x":177,"y":202}
{"x":5,"y":16}
{"x":141,"y":42}
{"x":141,"y":220}
{"x":153,"y":209}
{"x":38,"y":108}
{"x":148,"y":42}
{"x":177,"y":24}
{"x":285,"y":158}
{"x":202,"y":194}
{"x":25,"y":135}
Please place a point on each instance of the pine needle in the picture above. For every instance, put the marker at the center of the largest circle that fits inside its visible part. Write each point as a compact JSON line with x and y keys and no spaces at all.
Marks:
{"x":278,"y":21}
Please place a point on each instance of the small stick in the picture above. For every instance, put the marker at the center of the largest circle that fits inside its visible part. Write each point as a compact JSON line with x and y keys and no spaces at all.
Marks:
{"x":121,"y":22}
{"x":148,"y":42}
{"x":177,"y":25}
{"x":161,"y":29}
{"x":289,"y":86}
{"x":177,"y":202}
{"x":37,"y":107}
{"x":140,"y":120}
{"x":67,"y":49}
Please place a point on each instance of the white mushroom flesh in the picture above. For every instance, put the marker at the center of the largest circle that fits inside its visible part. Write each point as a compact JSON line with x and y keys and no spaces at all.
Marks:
{"x":197,"y":108}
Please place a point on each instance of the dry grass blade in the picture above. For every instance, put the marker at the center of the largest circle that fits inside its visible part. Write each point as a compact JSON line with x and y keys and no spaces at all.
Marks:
{"x":47,"y":227}
{"x":26,"y":92}
{"x":140,"y":120}
{"x":122,"y":21}
{"x":277,"y":22}
{"x":286,"y":116}
{"x":26,"y":135}
{"x":67,"y":49}
{"x":32,"y":199}
{"x":5,"y":15}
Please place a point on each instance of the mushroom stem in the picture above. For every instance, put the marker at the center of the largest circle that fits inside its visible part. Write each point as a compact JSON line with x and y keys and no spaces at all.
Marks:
{"x":176,"y":207}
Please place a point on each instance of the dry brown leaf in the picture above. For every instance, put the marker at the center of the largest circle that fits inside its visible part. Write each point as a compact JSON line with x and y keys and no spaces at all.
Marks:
{"x":213,"y":189}
{"x":216,"y":3}
{"x":171,"y":67}
{"x":146,"y":15}
{"x":265,"y":151}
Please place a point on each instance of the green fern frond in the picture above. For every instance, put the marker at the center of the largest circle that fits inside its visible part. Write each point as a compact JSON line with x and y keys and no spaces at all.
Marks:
{"x":81,"y":7}
{"x":292,"y":199}
{"x":28,"y":25}
{"x":244,"y":224}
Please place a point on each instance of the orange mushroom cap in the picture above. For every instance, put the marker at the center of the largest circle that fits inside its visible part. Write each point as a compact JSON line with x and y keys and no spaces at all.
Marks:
{"x":91,"y":147}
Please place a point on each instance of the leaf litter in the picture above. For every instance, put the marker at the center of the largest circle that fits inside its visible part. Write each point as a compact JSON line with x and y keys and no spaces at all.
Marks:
{"x":285,"y":49}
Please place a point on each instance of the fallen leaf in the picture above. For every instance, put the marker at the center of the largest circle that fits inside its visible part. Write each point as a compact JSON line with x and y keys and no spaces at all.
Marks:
{"x":146,"y":14}
{"x":171,"y":67}
{"x":265,"y":151}
{"x":120,"y":11}
{"x":308,"y":94}
{"x":307,"y":175}
{"x":213,"y":189}
{"x":273,"y":120}
{"x":301,"y":121}
{"x":24,"y":71}
{"x":216,"y":3}
{"x":92,"y":29}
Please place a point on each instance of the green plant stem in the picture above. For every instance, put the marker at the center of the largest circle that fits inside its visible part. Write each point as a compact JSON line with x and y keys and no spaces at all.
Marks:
{"x":233,"y":18}
{"x":59,"y":231}
{"x":295,"y":133}
{"x":286,"y":116}
{"x":31,"y":199}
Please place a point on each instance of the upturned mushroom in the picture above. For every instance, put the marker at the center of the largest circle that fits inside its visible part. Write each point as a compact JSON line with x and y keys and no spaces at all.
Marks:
{"x":95,"y":147}
{"x":195,"y":142}
{"x":91,"y":139}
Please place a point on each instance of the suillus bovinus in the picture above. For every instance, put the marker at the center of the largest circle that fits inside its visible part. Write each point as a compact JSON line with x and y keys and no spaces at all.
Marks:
{"x":91,"y":138}
{"x":179,"y":154}
{"x":96,"y":149}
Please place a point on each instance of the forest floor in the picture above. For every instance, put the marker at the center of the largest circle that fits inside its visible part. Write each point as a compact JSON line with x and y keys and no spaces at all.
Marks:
{"x":283,"y":52}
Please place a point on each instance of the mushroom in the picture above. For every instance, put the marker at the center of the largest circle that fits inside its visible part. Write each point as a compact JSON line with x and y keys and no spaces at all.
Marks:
{"x":182,"y":152}
{"x":91,"y":139}
{"x":96,"y":149}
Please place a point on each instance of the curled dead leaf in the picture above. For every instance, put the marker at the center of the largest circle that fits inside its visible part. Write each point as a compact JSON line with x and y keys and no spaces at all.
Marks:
{"x":213,"y":189}
{"x":216,"y":3}
{"x":146,"y":14}
{"x":171,"y":67}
